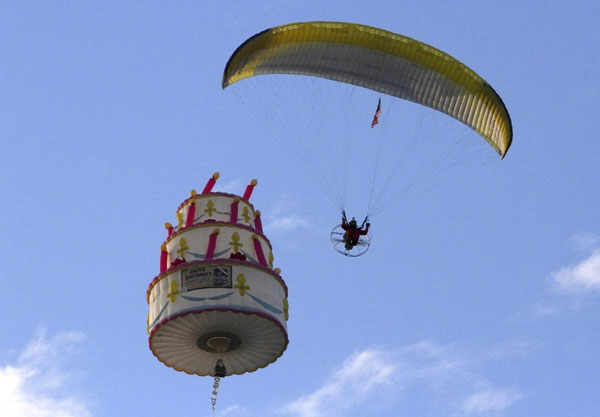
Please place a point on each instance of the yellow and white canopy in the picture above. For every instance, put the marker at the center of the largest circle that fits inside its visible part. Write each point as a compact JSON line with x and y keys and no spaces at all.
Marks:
{"x":381,"y":61}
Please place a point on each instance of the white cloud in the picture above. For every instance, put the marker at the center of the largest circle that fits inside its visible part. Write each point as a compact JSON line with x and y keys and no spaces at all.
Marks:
{"x":583,"y":276}
{"x":283,"y":215}
{"x":430,"y":362}
{"x":512,"y":348}
{"x":36,"y":385}
{"x":359,"y":376}
{"x":231,"y":409}
{"x":286,"y":224}
{"x":545,"y":310}
{"x":586,"y":240}
{"x":231,"y":187}
{"x":490,"y":400}
{"x":425,"y":370}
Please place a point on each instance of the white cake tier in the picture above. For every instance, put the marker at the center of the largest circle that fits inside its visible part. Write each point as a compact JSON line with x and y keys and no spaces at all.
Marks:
{"x":192,"y":244}
{"x":217,"y":207}
{"x":202,"y":301}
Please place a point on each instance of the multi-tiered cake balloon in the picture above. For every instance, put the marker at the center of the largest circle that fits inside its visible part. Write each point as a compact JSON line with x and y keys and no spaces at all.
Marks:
{"x":217,"y":296}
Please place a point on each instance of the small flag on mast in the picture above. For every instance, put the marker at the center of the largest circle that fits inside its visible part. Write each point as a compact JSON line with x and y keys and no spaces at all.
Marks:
{"x":377,"y":113}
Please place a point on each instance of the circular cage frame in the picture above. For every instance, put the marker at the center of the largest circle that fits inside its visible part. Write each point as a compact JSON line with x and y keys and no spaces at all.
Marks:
{"x":337,"y":241}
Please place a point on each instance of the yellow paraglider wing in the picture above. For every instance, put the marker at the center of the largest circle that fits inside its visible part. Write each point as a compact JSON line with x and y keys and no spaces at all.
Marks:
{"x":381,"y":61}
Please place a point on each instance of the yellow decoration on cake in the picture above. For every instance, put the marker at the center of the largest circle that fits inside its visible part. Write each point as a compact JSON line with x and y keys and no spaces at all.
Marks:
{"x":168,"y":225}
{"x":179,"y":219}
{"x":235,"y":242}
{"x":210,"y":208}
{"x":241,"y":284}
{"x":277,"y":271}
{"x":253,"y":182}
{"x":182,"y":247}
{"x":246,"y":215}
{"x":173,"y":290}
{"x":286,"y":306}
{"x":193,"y":193}
{"x":271,"y":259}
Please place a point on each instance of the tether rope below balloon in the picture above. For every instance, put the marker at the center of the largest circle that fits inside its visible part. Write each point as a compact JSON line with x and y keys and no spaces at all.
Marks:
{"x":215,"y":391}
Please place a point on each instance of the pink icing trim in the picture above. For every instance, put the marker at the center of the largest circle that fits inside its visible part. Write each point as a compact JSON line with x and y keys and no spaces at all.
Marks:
{"x":191,"y":214}
{"x":209,"y":185}
{"x":234,"y":211}
{"x":248,"y":192}
{"x":258,"y":224}
{"x":259,"y":253}
{"x":164,"y":255}
{"x":212,"y":243}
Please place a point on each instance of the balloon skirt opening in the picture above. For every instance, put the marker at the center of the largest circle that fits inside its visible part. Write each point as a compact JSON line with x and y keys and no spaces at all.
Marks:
{"x":193,"y":341}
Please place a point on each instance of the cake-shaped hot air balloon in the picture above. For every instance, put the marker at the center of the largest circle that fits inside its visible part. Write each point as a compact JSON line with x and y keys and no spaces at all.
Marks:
{"x":217,"y":306}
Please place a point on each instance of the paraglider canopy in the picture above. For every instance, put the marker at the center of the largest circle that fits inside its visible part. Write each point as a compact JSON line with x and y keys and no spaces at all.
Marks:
{"x":378,"y":60}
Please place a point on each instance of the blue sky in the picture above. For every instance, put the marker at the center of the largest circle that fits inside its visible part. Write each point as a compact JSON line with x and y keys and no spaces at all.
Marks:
{"x":478,"y":296}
